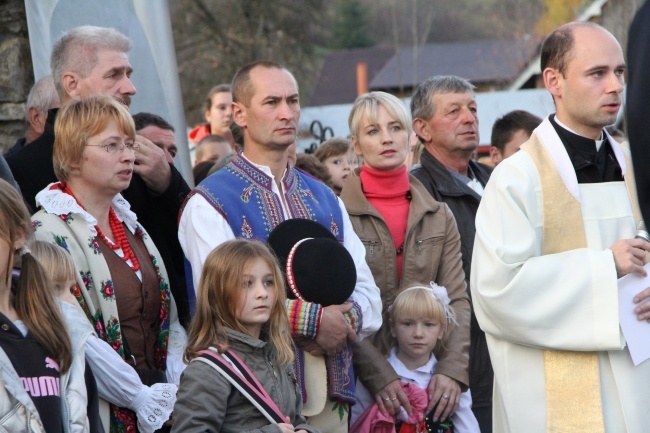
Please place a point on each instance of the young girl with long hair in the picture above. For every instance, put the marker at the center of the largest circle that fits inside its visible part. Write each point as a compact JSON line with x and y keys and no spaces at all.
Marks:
{"x":42,"y":386}
{"x":239,"y":348}
{"x":419,"y":320}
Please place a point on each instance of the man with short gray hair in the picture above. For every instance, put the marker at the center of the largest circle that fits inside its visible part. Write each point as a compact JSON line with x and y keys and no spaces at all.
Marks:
{"x":88,"y":61}
{"x":91,"y":60}
{"x":42,"y":97}
{"x":445,"y":120}
{"x":85,"y":61}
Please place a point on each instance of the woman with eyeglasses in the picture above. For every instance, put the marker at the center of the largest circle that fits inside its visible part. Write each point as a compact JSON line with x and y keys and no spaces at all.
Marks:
{"x":121,"y":280}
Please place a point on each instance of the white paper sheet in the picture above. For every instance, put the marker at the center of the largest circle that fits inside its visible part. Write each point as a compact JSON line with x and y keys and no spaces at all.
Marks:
{"x":636,"y":333}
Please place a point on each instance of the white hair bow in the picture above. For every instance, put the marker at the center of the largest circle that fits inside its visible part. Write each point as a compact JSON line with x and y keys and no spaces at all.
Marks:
{"x":440,"y":293}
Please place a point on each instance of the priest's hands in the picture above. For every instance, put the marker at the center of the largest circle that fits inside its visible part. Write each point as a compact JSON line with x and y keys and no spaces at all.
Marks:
{"x":642,"y":310}
{"x":629,"y":256}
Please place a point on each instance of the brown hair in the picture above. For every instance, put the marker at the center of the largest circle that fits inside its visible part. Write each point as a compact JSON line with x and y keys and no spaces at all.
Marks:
{"x":335,"y":146}
{"x":80,"y":119}
{"x":201,"y":147}
{"x":220,"y":88}
{"x":219,"y":296}
{"x":33,"y":300}
{"x":558,"y":46}
{"x":311,"y":165}
{"x":511,"y":122}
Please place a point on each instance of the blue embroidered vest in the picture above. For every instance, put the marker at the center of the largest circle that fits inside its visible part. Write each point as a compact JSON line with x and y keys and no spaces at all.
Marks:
{"x":252,"y":209}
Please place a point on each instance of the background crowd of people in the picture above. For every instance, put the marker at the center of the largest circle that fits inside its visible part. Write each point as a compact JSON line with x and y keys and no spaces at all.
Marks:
{"x":467,"y":297}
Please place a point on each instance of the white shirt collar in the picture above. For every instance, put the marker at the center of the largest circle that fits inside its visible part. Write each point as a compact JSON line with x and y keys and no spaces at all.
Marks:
{"x":421,"y":376}
{"x":264,"y":168}
{"x":274,"y":185}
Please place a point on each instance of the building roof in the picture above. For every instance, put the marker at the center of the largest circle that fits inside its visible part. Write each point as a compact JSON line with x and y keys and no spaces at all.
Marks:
{"x":489,"y":61}
{"x":337,"y":83}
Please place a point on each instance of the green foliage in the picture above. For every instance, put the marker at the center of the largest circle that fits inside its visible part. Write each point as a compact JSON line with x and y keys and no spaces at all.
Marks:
{"x":214,"y":38}
{"x":351,"y":26}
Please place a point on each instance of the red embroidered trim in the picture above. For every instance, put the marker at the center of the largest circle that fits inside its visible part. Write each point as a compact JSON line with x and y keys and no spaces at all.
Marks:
{"x":118,"y":233}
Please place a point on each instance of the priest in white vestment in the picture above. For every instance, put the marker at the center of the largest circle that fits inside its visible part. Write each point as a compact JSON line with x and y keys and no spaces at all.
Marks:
{"x":554,"y":231}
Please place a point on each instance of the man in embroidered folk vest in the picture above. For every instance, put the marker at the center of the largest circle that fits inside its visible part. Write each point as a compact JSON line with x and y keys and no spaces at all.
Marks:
{"x":554,"y":231}
{"x":252,"y":195}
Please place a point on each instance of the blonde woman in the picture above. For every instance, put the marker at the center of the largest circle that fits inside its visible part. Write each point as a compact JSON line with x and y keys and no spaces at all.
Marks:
{"x":409,"y":238}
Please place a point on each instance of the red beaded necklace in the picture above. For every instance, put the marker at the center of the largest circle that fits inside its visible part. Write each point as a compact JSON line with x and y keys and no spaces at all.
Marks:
{"x":118,"y":232}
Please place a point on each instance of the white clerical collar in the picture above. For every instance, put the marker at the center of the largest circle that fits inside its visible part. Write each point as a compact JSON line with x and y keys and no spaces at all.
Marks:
{"x":550,"y":140}
{"x":563,"y":125}
{"x":598,"y":142}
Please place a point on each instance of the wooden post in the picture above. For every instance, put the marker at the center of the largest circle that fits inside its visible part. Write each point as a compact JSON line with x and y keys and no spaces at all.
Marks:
{"x":362,"y":78}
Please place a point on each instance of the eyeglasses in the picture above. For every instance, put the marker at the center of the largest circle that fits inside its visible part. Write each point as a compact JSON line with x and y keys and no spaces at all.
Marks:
{"x":115,"y":147}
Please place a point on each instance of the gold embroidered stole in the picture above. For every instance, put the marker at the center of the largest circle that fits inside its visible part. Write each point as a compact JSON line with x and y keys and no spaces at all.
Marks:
{"x":572,"y":379}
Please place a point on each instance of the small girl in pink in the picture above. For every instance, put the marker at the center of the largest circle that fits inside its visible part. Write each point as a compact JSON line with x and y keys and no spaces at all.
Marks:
{"x":419,"y":319}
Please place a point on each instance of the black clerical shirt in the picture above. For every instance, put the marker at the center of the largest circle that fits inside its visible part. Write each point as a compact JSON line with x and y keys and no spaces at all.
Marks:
{"x":590,"y":165}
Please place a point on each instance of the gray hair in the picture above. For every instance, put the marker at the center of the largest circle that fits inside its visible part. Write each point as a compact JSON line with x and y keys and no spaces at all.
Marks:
{"x":76,"y":51}
{"x":422,"y":101}
{"x":42,"y":96}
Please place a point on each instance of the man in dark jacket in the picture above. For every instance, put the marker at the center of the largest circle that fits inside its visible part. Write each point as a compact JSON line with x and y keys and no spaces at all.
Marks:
{"x":161,"y":133}
{"x":638,"y":110}
{"x":445,"y":119}
{"x":89,"y":61}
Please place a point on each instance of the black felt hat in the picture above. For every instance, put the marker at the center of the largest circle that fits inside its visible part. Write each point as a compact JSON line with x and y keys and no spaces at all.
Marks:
{"x":317,"y":267}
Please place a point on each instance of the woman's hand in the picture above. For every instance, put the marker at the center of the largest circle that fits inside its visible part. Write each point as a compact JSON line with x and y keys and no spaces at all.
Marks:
{"x":444,"y":394}
{"x":391,"y":397}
